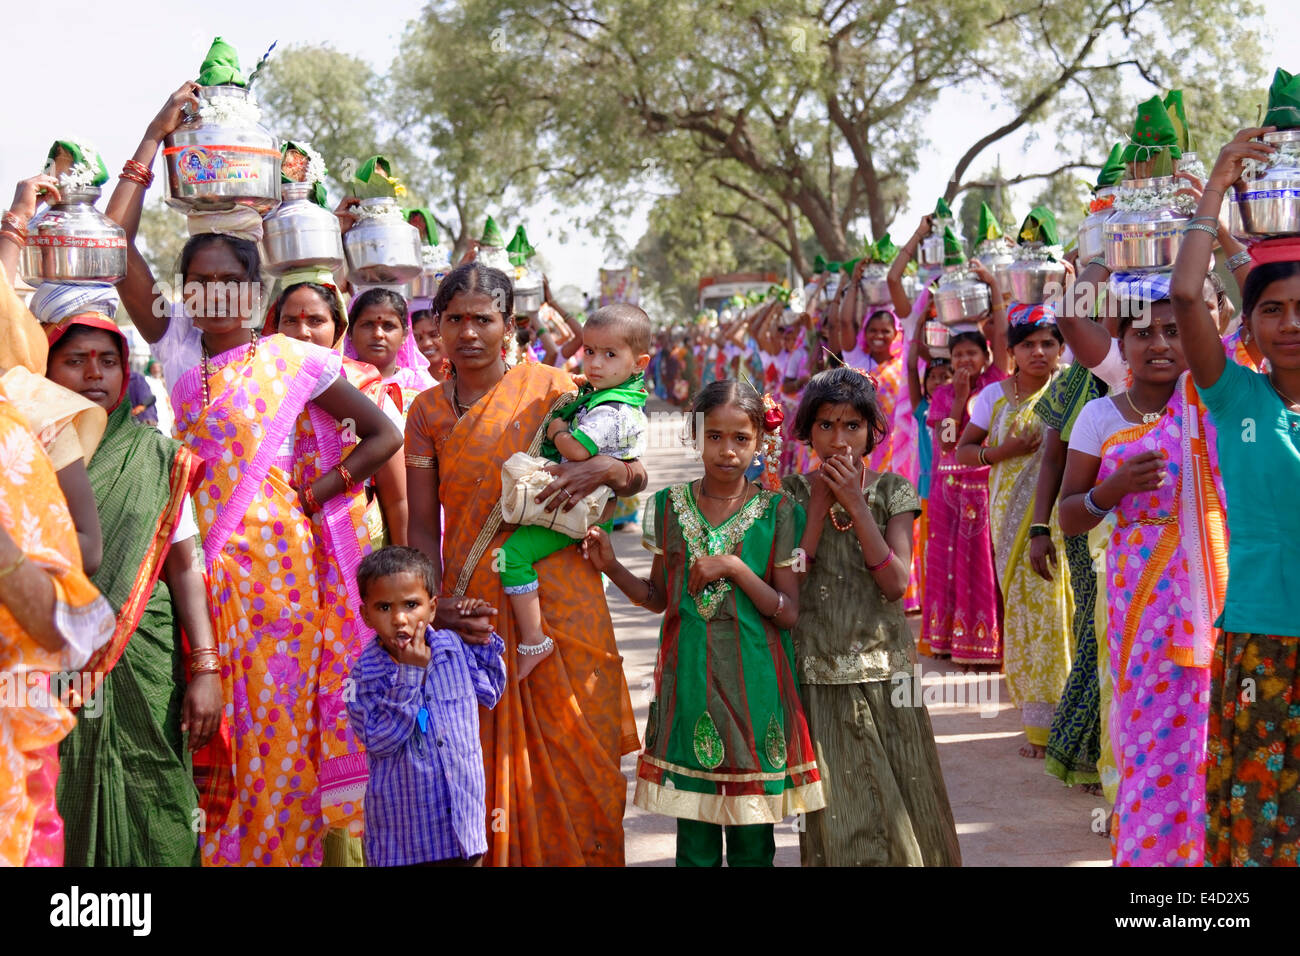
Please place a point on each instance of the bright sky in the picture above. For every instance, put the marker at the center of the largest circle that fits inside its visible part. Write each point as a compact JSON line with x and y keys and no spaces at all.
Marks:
{"x":103,"y":71}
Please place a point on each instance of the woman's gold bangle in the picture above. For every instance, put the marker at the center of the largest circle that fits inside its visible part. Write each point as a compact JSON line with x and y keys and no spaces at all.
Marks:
{"x":11,"y":568}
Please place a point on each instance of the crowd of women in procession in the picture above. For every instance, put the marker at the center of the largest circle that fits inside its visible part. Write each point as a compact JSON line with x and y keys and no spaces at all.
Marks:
{"x":199,"y":591}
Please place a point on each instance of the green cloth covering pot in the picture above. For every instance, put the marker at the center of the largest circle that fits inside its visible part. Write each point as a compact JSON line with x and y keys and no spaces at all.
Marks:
{"x":1153,"y":131}
{"x":1040,"y":226}
{"x":953,"y":253}
{"x":318,"y":194}
{"x":1112,"y":171}
{"x":819,"y":264}
{"x":520,"y":249}
{"x":79,"y":158}
{"x":1283,"y":101}
{"x":988,"y":228}
{"x":491,"y":234}
{"x":430,"y":236}
{"x":221,"y":66}
{"x":1178,"y":116}
{"x":375,"y":179}
{"x":941,"y":209}
{"x":882,"y":250}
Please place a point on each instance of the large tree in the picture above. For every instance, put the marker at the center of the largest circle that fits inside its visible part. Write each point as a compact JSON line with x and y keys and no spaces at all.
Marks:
{"x":813,"y":114}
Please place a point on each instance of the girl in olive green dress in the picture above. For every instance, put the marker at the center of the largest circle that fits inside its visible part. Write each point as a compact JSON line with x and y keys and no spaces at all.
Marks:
{"x":886,"y":804}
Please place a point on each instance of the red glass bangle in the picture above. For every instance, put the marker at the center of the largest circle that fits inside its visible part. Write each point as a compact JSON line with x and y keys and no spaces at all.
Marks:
{"x":346,"y":475}
{"x":137,"y":173}
{"x":873,"y":568}
{"x":309,"y":497}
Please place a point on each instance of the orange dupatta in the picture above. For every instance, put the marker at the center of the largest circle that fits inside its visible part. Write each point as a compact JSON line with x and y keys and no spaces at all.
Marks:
{"x":552,"y":746}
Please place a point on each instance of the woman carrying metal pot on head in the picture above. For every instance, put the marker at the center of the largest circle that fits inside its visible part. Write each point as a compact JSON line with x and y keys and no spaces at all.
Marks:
{"x":286,"y":633}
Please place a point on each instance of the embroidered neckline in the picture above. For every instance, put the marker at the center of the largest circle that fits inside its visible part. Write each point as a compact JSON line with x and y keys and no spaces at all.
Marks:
{"x":703,"y":539}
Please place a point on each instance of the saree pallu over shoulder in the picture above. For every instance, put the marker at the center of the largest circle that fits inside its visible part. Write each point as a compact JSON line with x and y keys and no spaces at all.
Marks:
{"x":32,"y":720}
{"x":552,"y":745}
{"x":275,"y":616}
{"x":342,"y":539}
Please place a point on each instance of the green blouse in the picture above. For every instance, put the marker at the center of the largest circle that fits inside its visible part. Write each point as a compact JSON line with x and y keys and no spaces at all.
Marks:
{"x":847,"y":632}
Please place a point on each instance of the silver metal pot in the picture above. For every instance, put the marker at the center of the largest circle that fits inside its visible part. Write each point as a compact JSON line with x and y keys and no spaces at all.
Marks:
{"x":875,"y":284}
{"x":930,"y":254}
{"x":960,"y":297}
{"x":74,"y":242}
{"x":212,"y":167}
{"x":1143,"y":240}
{"x":1270,"y":205}
{"x":997,"y":256}
{"x":1033,"y":280}
{"x":936,"y":338}
{"x":425,"y":285}
{"x":435,"y":264}
{"x":528,"y":291}
{"x":1092,"y":243}
{"x":382,"y":248}
{"x":299,"y":234}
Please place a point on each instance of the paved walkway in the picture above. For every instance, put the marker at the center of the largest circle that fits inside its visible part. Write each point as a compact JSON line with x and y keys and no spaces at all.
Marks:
{"x":1008,"y":812}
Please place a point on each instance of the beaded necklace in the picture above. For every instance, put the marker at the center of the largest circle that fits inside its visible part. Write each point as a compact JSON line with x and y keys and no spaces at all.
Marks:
{"x":253,"y":339}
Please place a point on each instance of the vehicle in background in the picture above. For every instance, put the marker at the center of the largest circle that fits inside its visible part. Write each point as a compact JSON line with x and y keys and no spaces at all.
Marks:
{"x":715,"y":292}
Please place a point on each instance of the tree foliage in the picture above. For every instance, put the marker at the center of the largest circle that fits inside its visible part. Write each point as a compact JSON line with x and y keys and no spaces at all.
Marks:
{"x":814,"y":114}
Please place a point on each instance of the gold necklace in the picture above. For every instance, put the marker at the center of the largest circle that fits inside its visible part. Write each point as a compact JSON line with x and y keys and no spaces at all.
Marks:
{"x":1148,"y":418}
{"x":459,"y":407}
{"x":1283,"y":395}
{"x":834,"y":505}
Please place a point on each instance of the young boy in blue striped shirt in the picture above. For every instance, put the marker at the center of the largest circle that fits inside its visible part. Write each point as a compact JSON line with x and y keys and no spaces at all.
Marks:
{"x":415,"y":700}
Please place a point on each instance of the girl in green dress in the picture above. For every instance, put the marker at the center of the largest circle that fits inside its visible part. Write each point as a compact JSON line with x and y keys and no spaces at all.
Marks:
{"x":886,"y":800}
{"x":727,"y":742}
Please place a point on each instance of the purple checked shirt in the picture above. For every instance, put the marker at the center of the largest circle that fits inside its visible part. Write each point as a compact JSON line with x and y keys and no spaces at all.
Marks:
{"x":426,"y":797}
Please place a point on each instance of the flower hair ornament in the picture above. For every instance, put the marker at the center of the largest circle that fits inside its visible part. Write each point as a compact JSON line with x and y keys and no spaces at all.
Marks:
{"x":869,"y":376}
{"x":769,"y":445}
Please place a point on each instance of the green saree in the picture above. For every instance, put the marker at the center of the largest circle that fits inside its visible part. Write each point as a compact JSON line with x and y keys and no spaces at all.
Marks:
{"x":125,"y":789}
